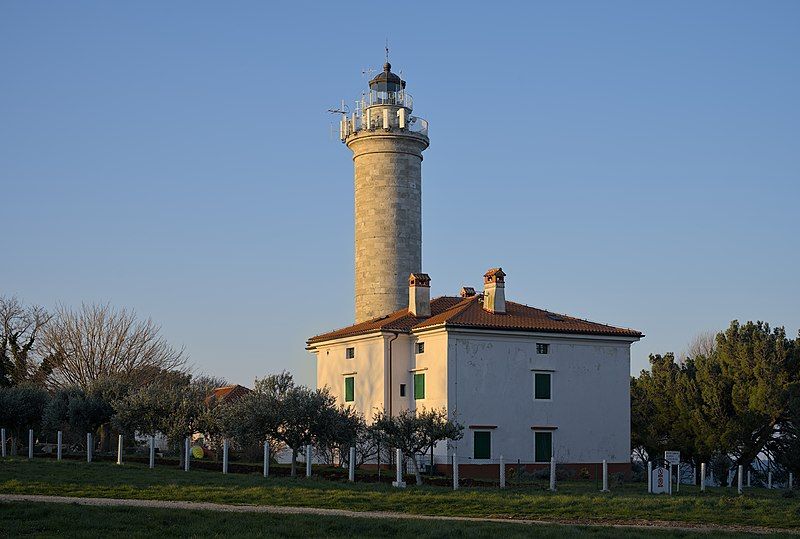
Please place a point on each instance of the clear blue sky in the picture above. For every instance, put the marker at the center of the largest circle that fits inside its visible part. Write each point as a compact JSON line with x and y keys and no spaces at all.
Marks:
{"x":627,"y":162}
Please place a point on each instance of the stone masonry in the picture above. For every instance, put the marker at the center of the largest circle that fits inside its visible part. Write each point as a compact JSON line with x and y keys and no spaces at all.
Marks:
{"x":388,"y":217}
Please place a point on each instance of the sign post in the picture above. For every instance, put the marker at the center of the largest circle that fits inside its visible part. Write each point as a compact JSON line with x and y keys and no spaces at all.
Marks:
{"x":673,"y":458}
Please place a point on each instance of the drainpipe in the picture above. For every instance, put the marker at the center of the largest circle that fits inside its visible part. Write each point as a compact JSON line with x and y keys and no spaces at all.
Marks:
{"x":396,"y":335}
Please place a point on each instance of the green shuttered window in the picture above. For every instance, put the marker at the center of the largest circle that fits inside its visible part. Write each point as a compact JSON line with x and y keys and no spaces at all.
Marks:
{"x":419,"y":386}
{"x":541,"y":385}
{"x":350,"y":389}
{"x":543,"y":446}
{"x":482,"y":444}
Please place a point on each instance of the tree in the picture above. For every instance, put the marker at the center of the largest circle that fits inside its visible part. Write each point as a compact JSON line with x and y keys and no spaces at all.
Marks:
{"x":21,"y":409}
{"x":176,"y":410}
{"x":97,"y":342}
{"x":302,"y":414}
{"x":20,"y":328}
{"x":745,"y":386}
{"x":413,"y":432}
{"x":77,"y":412}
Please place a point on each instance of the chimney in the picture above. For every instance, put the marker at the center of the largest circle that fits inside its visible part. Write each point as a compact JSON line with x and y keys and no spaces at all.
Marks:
{"x":467,"y":292}
{"x":494,"y":291}
{"x":419,"y":295}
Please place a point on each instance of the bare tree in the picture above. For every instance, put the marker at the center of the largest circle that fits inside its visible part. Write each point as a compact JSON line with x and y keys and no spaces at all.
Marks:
{"x":20,"y":329}
{"x":98,"y":341}
{"x":703,"y":344}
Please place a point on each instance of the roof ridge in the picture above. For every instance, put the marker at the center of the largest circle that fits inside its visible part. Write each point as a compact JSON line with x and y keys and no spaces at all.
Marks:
{"x":571,"y":317}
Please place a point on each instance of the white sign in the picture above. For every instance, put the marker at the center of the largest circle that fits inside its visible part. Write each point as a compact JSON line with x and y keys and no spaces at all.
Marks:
{"x":660,"y":480}
{"x":673,"y":457}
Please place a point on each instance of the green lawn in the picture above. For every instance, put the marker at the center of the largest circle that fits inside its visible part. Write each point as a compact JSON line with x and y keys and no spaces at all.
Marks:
{"x":574,"y":501}
{"x":57,"y":520}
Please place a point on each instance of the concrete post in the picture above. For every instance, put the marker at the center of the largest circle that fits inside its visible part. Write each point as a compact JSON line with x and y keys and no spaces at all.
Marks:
{"x":769,"y":479}
{"x":30,"y":444}
{"x":3,"y":442}
{"x":455,"y":472}
{"x":605,"y":476}
{"x":398,"y":482}
{"x":89,"y":443}
{"x":670,"y":479}
{"x":152,"y":452}
{"x":694,"y":474}
{"x":502,"y":472}
{"x":748,"y":478}
{"x":308,"y":460}
{"x":649,"y":477}
{"x":119,"y":450}
{"x":740,"y":478}
{"x":59,"y":446}
{"x":225,"y":456}
{"x":187,"y":454}
{"x":351,"y":476}
{"x":266,"y":458}
{"x":703,"y":477}
{"x":711,"y":474}
{"x":552,"y":474}
{"x":791,"y":480}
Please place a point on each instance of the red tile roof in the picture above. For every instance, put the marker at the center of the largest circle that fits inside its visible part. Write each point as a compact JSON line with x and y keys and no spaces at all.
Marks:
{"x":469,"y":313}
{"x":228,"y":393}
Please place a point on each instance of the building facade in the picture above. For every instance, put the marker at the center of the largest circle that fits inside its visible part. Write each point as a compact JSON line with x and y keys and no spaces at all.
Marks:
{"x":526,"y":383}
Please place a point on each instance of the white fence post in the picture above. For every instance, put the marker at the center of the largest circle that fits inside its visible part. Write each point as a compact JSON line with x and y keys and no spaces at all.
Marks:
{"x":152,"y":452}
{"x":455,"y":472}
{"x":30,"y":443}
{"x":3,"y":441}
{"x":119,"y":450}
{"x":791,"y":480}
{"x":59,"y":446}
{"x":187,"y":454}
{"x":399,"y":483}
{"x":502,"y":472}
{"x":225,"y":455}
{"x":678,"y":477}
{"x":605,"y":476}
{"x":740,"y":479}
{"x":748,"y":478}
{"x":702,"y":477}
{"x":89,"y":444}
{"x":769,"y":479}
{"x":351,"y":476}
{"x":266,"y":458}
{"x":308,"y":460}
{"x":649,"y":477}
{"x":711,"y":475}
{"x":552,"y":473}
{"x":694,"y":474}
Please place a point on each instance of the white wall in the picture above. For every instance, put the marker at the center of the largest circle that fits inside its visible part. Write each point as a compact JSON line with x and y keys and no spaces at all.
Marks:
{"x":492,"y":384}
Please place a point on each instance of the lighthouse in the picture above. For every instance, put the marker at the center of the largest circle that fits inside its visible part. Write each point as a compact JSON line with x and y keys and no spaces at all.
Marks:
{"x":387,"y":142}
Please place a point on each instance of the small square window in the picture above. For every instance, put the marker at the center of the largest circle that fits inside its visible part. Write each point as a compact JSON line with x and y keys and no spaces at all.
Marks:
{"x":350,"y":353}
{"x":402,"y":390}
{"x":420,"y":347}
{"x":542,"y":386}
{"x":350,"y":389}
{"x":542,"y":348}
{"x":419,"y":386}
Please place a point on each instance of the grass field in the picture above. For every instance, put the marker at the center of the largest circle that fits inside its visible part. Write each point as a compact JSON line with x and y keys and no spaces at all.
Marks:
{"x":56,"y":520}
{"x":573,"y":502}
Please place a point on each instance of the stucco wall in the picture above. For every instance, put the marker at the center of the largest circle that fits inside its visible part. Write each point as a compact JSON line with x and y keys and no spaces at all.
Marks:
{"x":491,"y":383}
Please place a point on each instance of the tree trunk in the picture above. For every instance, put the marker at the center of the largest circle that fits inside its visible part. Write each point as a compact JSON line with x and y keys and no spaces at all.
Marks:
{"x":416,"y":470}
{"x":294,"y":462}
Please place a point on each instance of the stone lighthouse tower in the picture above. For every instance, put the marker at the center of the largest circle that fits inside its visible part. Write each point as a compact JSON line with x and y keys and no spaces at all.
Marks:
{"x":387,"y":144}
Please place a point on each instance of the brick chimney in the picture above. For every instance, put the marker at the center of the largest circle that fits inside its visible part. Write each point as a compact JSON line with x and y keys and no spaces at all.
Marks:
{"x":419,"y":295}
{"x":494,"y":291}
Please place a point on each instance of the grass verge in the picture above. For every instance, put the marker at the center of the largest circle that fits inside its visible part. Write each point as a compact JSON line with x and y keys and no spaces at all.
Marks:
{"x":574,"y":502}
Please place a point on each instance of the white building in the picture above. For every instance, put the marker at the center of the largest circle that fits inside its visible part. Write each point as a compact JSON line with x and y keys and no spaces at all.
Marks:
{"x":525,"y":383}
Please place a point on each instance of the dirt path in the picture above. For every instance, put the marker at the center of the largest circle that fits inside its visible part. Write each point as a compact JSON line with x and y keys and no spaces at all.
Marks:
{"x":281,"y":510}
